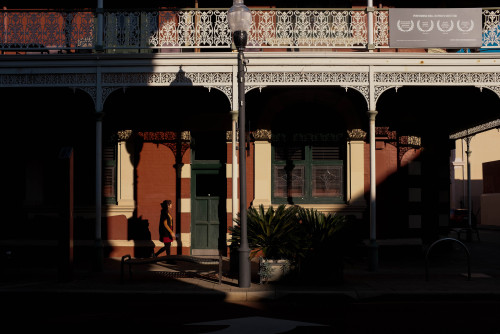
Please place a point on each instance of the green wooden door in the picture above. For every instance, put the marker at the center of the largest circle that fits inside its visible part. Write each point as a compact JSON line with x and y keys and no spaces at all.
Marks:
{"x":208,"y":211}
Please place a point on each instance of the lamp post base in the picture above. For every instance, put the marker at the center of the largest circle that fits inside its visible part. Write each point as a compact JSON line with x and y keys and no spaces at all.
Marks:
{"x":373,"y":256}
{"x":244,"y":278}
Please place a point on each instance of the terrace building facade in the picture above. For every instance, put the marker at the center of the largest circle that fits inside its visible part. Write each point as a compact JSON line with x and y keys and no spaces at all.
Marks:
{"x":116,"y":110}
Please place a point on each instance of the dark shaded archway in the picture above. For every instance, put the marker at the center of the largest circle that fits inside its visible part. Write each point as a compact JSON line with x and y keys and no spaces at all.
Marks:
{"x":41,"y":122}
{"x":420,"y":190}
{"x":163,"y":120}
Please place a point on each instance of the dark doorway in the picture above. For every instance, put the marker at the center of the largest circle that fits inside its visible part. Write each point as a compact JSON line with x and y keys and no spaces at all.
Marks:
{"x":208,"y":192}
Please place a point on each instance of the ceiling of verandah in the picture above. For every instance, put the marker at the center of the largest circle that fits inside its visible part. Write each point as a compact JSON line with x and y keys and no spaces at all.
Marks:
{"x":447,"y":109}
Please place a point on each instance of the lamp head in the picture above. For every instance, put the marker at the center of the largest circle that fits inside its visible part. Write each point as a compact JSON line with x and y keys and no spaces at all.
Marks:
{"x":240,"y":19}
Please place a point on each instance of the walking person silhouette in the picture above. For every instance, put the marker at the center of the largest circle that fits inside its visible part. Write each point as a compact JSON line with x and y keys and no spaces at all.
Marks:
{"x":166,"y":228}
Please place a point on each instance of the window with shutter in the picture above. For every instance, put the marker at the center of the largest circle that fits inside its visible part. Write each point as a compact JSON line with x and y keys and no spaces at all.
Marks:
{"x":109,"y":174}
{"x":308,"y":172}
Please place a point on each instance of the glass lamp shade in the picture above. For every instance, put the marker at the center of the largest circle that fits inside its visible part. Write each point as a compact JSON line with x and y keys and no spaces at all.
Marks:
{"x":239,"y":17}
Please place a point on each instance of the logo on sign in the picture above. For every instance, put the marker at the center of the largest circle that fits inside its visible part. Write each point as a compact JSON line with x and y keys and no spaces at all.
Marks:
{"x":405,"y":26}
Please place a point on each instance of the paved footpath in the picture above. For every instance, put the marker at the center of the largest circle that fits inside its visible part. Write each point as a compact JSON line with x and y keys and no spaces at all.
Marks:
{"x":401,"y":274}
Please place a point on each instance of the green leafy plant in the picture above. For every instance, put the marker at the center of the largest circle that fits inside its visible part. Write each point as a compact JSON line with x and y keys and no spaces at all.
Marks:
{"x":321,"y":229}
{"x":274,"y":233}
{"x":322,"y":261}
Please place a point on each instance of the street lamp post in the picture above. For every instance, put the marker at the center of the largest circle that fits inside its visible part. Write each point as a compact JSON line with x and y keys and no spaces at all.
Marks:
{"x":240,"y":19}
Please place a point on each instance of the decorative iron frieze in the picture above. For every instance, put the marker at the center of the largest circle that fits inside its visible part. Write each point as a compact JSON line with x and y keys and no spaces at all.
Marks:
{"x":262,"y":135}
{"x":356,"y":135}
{"x":124,"y":135}
{"x":412,"y":141}
{"x":48,"y":80}
{"x":477,"y":129}
{"x":180,"y":78}
{"x":165,"y":136}
{"x":340,"y":78}
{"x":415,"y":78}
{"x":383,"y":131}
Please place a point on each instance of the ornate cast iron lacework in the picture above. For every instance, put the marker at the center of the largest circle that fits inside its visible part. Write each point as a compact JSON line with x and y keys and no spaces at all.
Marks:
{"x":491,"y":28}
{"x":340,"y":78}
{"x":43,"y":30}
{"x":262,"y":135}
{"x":48,"y":80}
{"x":46,"y":30}
{"x":477,"y":129}
{"x":437,"y":77}
{"x":167,"y":78}
{"x":403,"y":143}
{"x":356,"y":134}
{"x":223,"y":80}
{"x":177,"y":142}
{"x":165,"y":136}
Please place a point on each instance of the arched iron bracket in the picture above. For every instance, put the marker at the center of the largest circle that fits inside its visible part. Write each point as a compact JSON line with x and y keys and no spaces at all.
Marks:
{"x":249,"y":88}
{"x":92,"y":92}
{"x":362,"y":89}
{"x":494,"y":89}
{"x":228,"y":92}
{"x":379,"y":90}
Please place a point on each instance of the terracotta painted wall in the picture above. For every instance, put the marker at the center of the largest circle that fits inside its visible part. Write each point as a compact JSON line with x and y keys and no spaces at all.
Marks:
{"x":155,"y":183}
{"x":395,"y":205}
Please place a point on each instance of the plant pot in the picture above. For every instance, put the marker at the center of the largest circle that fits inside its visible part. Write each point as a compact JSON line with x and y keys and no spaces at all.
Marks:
{"x":273,"y":270}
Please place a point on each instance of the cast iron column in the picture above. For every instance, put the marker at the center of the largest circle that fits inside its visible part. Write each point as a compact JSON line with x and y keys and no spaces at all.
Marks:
{"x":373,"y":247}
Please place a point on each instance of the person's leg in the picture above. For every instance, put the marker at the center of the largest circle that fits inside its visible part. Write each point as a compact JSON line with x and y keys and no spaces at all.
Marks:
{"x":164,"y":248}
{"x":167,"y":250}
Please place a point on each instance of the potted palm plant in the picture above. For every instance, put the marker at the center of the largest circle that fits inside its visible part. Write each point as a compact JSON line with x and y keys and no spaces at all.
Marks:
{"x":322,"y":260}
{"x":274,"y":236}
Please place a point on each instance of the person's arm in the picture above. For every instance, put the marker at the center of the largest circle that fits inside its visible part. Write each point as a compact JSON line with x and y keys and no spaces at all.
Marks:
{"x":168,"y":228}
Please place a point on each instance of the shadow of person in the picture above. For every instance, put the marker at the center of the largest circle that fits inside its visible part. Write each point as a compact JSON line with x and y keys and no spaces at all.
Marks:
{"x":138,"y":231}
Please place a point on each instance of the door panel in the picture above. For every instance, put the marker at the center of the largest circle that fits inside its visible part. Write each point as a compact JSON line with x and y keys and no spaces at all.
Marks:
{"x":208,"y":208}
{"x":206,"y":223}
{"x":208,"y":192}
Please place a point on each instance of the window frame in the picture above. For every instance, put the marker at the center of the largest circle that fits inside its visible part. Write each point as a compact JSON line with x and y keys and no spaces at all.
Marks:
{"x":109,"y":163}
{"x":308,"y":164}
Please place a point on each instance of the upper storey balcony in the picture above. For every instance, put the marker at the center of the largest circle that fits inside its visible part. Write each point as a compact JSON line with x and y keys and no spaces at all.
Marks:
{"x":202,"y":30}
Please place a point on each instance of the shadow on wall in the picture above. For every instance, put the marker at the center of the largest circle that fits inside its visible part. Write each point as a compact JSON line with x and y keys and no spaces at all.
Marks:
{"x":138,"y":231}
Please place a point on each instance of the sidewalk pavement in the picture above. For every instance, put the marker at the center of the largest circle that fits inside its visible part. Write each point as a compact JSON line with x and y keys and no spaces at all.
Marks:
{"x":401,"y":274}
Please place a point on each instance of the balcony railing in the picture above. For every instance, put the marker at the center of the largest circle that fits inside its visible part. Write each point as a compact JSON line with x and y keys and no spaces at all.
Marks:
{"x":198,"y":29}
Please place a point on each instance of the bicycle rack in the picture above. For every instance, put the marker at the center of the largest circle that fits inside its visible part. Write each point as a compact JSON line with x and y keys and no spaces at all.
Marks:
{"x":467,"y":253}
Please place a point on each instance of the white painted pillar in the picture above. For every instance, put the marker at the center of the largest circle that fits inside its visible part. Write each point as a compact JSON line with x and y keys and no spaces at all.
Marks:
{"x":235,"y":115}
{"x":262,"y":172}
{"x":469,"y":196}
{"x":356,"y":170}
{"x":234,"y":155}
{"x":100,"y":25}
{"x":373,"y":265}
{"x":372,"y":113}
{"x":98,"y":172}
{"x":370,"y":10}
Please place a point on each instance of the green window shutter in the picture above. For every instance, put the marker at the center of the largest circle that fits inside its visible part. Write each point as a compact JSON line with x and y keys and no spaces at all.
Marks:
{"x":308,"y":173}
{"x":109,"y":174}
